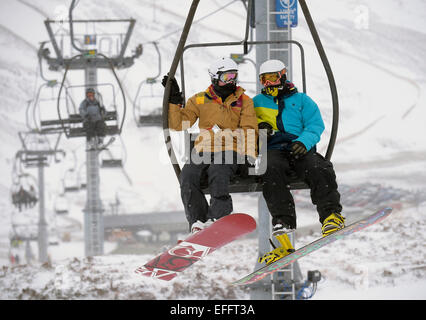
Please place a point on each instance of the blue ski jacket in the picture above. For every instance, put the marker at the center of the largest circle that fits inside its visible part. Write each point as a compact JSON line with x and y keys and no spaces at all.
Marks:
{"x":294,"y":116}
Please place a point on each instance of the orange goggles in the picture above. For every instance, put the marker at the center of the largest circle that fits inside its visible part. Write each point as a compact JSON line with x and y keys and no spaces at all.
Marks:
{"x":271,"y":78}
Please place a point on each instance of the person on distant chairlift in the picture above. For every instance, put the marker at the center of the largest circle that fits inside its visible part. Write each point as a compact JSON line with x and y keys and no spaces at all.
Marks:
{"x":32,"y":196}
{"x":21,"y":198}
{"x":294,"y":126}
{"x":224,"y":111}
{"x":93,"y":113}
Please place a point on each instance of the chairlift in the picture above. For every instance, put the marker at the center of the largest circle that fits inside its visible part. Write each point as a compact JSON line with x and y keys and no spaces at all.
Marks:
{"x":61,"y":205}
{"x":21,"y":233}
{"x":251,"y":183}
{"x":114,"y":156}
{"x":148,"y":97}
{"x":43,"y":110}
{"x":90,"y":56}
{"x":37,"y":149}
{"x":72,"y":125}
{"x":24,"y":191}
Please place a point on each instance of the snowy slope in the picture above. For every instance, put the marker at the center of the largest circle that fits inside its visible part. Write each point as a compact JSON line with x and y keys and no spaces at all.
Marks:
{"x":380,"y":73}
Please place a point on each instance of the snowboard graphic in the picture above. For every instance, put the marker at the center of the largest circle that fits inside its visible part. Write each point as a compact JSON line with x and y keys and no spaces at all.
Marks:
{"x":315,"y":245}
{"x":167,"y":265}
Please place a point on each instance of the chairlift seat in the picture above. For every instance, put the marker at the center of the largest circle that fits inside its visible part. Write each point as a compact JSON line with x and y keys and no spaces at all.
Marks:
{"x":71,"y":189}
{"x":81,"y":132}
{"x":242,"y":182}
{"x":151,"y":120}
{"x":61,"y":211}
{"x":76,"y":118}
{"x":112,"y":163}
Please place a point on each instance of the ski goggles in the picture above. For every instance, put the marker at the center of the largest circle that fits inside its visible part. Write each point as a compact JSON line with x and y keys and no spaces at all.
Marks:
{"x":271,"y":78}
{"x":228,"y":77}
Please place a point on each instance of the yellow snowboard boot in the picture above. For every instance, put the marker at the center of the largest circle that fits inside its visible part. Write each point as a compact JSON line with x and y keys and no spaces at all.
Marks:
{"x":332,"y":223}
{"x":280,"y":252}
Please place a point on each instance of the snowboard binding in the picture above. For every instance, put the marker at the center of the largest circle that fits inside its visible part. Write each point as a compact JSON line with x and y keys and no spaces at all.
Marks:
{"x":285,"y":249}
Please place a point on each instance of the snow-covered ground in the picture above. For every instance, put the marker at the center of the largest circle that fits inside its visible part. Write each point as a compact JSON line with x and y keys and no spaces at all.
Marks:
{"x":376,"y":50}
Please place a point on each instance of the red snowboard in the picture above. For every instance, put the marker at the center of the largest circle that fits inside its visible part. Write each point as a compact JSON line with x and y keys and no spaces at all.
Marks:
{"x":223,"y":231}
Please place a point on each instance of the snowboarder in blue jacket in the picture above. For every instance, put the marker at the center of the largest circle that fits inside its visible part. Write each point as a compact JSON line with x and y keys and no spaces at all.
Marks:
{"x":294,"y":126}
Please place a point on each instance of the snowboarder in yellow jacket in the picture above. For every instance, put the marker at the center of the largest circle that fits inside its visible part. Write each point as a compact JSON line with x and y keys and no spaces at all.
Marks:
{"x":228,"y":136}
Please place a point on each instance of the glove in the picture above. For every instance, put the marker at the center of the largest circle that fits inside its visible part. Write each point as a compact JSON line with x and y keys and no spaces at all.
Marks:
{"x":298,"y":149}
{"x":264,"y":125}
{"x":175,"y":94}
{"x":250,"y":161}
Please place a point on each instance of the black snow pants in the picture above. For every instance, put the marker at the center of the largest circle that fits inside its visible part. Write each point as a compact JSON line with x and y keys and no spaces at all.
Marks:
{"x":94,"y":129}
{"x":314,"y":170}
{"x":219,"y":176}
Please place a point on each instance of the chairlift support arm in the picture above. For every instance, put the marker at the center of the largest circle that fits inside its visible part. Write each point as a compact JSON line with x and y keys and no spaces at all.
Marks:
{"x":330,"y":76}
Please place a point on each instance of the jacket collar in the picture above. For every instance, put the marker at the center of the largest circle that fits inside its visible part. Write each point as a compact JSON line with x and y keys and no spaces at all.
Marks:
{"x":210,"y":93}
{"x":288,"y":91}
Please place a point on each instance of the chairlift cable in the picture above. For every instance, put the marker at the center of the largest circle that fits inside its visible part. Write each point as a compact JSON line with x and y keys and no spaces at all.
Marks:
{"x":195,"y":21}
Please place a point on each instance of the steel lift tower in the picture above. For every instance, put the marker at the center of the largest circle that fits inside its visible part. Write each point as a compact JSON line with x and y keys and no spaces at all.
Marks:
{"x":34,"y":156}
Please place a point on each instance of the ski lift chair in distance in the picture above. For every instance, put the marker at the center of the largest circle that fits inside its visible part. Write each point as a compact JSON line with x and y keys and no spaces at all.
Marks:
{"x":114,"y":156}
{"x":89,"y":46}
{"x":247,"y":183}
{"x":24,"y":191}
{"x":37,"y":149}
{"x":70,"y":181}
{"x":61,"y":205}
{"x":43,"y":107}
{"x":147,"y":101}
{"x":75,"y":125}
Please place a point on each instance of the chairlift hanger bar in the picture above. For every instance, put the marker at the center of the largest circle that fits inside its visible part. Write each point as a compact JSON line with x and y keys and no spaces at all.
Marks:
{"x":245,"y":43}
{"x":72,"y":21}
{"x":172,"y":72}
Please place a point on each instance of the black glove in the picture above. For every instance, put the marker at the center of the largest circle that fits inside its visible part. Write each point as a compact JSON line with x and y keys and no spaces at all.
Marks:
{"x":175,"y":94}
{"x":267,"y":126}
{"x":298,"y":149}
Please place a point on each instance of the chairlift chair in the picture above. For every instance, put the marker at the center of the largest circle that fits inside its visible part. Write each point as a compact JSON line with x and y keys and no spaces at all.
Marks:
{"x":61,"y":205}
{"x":151,"y":101}
{"x":112,"y":157}
{"x":249,"y":183}
{"x":24,"y":190}
{"x":152,"y":98}
{"x":70,"y":181}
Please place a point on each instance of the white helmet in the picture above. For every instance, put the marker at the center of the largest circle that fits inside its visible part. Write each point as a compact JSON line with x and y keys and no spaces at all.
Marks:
{"x":221,"y":65}
{"x":271,"y":66}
